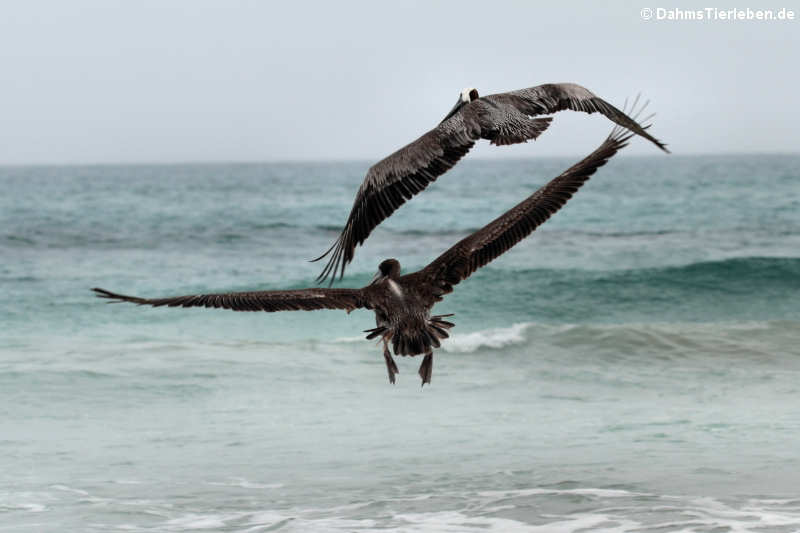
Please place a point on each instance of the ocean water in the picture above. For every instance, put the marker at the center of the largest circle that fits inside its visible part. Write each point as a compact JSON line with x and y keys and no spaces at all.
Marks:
{"x":633,"y":366}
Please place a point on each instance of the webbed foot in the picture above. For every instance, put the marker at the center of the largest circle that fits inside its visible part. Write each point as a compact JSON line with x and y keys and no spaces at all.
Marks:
{"x":426,"y":368}
{"x":391,"y":367}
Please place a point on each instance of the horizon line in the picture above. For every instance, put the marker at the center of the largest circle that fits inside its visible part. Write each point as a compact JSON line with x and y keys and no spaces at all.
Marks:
{"x":212,"y":162}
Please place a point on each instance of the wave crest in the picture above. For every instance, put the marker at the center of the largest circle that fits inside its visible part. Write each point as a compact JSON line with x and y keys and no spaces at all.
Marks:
{"x":494,"y":338}
{"x":666,"y":339}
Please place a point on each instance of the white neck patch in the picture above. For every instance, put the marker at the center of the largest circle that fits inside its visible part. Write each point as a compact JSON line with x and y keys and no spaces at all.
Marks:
{"x":395,"y":288}
{"x":465,"y":94}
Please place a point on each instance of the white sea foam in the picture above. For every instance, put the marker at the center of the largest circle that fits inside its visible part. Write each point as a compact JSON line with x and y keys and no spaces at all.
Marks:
{"x":488,"y":338}
{"x":201,"y":521}
{"x":31,"y":507}
{"x":65,"y":488}
{"x":599,"y":493}
{"x":617,"y":511}
{"x":245,"y":484}
{"x":347,"y":340}
{"x":471,"y":342}
{"x":458,"y":522}
{"x":606,"y":511}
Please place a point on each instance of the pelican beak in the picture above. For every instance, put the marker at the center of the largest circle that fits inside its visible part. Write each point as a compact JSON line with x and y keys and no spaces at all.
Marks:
{"x":459,"y":104}
{"x":377,"y":277}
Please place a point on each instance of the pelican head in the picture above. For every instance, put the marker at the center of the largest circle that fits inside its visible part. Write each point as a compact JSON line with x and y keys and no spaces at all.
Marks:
{"x":467,"y":95}
{"x":388,"y":269}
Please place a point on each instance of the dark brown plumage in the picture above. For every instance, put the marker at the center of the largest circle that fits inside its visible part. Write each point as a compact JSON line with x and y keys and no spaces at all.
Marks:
{"x":402,"y":304}
{"x":297,"y":300}
{"x":502,"y":119}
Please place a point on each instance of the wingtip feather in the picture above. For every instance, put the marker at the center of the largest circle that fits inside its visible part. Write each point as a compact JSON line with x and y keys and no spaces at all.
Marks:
{"x":117,"y":298}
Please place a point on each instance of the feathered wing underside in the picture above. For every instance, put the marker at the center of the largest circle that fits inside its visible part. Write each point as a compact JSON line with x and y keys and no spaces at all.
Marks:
{"x":553,"y":97}
{"x":293,"y":300}
{"x":497,"y":237}
{"x":408,"y":171}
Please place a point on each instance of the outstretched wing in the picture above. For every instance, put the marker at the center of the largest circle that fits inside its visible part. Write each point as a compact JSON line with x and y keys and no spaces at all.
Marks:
{"x":497,"y":237}
{"x":408,"y":171}
{"x":296,"y":300}
{"x":503,"y":118}
{"x":553,"y":97}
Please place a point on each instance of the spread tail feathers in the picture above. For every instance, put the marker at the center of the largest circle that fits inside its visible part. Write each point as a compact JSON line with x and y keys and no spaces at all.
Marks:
{"x":421,"y":338}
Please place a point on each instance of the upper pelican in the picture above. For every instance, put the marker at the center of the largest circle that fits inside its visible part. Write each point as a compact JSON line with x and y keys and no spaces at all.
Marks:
{"x":503,"y":118}
{"x":402,"y":304}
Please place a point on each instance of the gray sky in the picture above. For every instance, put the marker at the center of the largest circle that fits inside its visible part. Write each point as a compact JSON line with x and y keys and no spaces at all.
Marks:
{"x":168,"y":81}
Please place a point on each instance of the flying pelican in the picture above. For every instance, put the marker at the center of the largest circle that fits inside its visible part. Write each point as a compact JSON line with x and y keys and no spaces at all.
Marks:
{"x":501,"y":118}
{"x":402,"y":304}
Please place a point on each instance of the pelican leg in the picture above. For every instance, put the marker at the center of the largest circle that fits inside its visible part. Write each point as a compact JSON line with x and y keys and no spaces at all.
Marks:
{"x":391,"y":367}
{"x":426,"y":368}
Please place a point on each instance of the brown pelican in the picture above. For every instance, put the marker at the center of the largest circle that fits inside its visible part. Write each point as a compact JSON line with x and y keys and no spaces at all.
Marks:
{"x":503,"y":118}
{"x":403,"y":303}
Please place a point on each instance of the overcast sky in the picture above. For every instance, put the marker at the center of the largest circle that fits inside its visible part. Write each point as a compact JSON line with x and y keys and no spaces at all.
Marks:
{"x":194,"y":80}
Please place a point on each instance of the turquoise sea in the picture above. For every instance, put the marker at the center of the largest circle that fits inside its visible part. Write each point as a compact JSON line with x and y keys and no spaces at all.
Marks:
{"x":633,"y":366}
